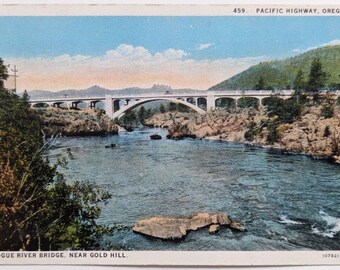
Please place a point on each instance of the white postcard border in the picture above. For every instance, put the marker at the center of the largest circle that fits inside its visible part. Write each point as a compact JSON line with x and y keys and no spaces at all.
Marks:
{"x":168,"y":258}
{"x":173,"y":258}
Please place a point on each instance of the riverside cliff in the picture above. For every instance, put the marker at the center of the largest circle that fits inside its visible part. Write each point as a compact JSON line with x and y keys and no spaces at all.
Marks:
{"x":75,"y":123}
{"x":313,"y":133}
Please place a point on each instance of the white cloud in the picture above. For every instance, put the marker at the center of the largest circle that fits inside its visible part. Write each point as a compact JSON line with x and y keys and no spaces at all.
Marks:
{"x":330,"y":43}
{"x":204,"y":46}
{"x":172,"y":54}
{"x":127,"y":66}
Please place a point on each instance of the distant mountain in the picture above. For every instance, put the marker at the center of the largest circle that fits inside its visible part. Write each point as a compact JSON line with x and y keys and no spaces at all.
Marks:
{"x":96,"y":91}
{"x":280,"y":74}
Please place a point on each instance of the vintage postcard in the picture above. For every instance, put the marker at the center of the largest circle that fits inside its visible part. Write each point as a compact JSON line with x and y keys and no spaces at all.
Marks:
{"x":170,"y":135}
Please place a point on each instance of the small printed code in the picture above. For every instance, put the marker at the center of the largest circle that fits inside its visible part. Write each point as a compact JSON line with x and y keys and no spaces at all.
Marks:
{"x":331,"y":255}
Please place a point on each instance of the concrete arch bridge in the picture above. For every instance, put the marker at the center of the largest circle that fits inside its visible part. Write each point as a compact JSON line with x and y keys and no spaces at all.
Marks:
{"x":116,"y":105}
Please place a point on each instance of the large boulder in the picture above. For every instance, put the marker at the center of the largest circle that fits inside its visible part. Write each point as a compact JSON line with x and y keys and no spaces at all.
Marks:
{"x":170,"y":228}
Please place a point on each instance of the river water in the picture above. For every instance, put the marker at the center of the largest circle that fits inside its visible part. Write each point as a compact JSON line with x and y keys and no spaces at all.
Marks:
{"x":287,"y":202}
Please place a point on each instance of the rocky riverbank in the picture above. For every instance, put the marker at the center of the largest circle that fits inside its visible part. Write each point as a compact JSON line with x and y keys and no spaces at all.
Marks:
{"x":312,"y":134}
{"x":56,"y":121}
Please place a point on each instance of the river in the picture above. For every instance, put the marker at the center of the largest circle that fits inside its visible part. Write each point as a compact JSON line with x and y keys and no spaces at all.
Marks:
{"x":287,"y":202}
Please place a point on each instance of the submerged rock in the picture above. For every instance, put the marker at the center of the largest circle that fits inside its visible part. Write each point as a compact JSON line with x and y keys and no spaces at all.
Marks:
{"x":155,"y":137}
{"x":112,"y":145}
{"x":177,"y":228}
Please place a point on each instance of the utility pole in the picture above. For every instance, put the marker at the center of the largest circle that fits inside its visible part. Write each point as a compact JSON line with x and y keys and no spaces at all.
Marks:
{"x":15,"y":77}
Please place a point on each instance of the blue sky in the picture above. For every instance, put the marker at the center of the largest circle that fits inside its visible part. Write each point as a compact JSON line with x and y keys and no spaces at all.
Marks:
{"x":231,"y":36}
{"x":199,"y":39}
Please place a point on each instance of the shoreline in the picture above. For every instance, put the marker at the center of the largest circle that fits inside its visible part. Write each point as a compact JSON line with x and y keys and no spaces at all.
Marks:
{"x":277,"y":150}
{"x":305,"y":136}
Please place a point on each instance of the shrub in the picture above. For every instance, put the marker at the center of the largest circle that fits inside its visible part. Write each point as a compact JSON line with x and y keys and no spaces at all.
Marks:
{"x":273,"y":134}
{"x":338,"y":101}
{"x":248,"y":102}
{"x":226,"y":103}
{"x":251,"y":132}
{"x":287,"y":111}
{"x":326,"y":111}
{"x":326,"y":132}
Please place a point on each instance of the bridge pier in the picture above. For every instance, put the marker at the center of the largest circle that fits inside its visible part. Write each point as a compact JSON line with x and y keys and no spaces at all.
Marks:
{"x":92,"y":104}
{"x":108,"y":106}
{"x":210,"y":102}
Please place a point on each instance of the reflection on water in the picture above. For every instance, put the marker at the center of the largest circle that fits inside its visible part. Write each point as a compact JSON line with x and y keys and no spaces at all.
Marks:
{"x":287,"y":202}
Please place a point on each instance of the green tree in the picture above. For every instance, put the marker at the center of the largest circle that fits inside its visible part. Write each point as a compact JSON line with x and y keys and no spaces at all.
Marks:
{"x":286,"y":110}
{"x":25,"y":96}
{"x":142,"y":115}
{"x":129,"y":120}
{"x":162,"y":108}
{"x":248,"y":102}
{"x":3,"y":73}
{"x":172,"y":106}
{"x":227,"y":103}
{"x":148,"y":113}
{"x":317,"y":77}
{"x":299,"y":83}
{"x":260,"y":85}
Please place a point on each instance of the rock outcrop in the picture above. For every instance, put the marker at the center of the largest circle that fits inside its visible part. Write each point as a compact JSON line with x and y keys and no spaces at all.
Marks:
{"x":75,"y":123}
{"x":170,"y":228}
{"x":311,"y":134}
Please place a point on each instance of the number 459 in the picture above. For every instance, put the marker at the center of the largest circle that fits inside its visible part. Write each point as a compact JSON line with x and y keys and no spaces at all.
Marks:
{"x":239,"y":10}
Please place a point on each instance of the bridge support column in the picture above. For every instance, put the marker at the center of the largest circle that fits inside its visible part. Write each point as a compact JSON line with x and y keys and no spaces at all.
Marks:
{"x":92,"y":105}
{"x":261,"y":106}
{"x":74,"y":105}
{"x":210,"y":102}
{"x":108,"y":106}
{"x":237,"y":102}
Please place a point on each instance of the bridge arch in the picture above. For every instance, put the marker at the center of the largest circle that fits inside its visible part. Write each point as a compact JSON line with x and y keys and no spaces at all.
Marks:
{"x":248,"y":102}
{"x":225,"y":102}
{"x":40,"y":105}
{"x":92,"y":104}
{"x":272,"y":100}
{"x":202,"y":102}
{"x":118,"y":114}
{"x":82,"y":103}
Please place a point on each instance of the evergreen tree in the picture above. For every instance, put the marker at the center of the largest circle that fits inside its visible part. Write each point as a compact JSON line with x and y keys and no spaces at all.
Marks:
{"x":317,"y":77}
{"x":142,"y":114}
{"x":129,"y":120}
{"x":260,"y":84}
{"x":299,"y":83}
{"x":148,"y":113}
{"x":25,"y":96}
{"x":162,"y":108}
{"x":3,"y":73}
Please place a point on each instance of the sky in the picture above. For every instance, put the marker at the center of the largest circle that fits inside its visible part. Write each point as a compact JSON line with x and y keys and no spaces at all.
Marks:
{"x":56,"y":53}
